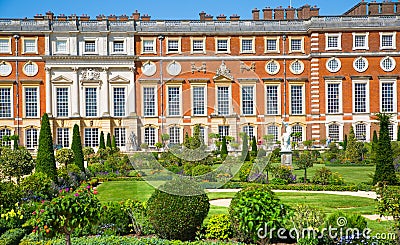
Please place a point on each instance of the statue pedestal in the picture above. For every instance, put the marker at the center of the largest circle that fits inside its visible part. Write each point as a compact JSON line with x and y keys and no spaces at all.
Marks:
{"x":286,"y":158}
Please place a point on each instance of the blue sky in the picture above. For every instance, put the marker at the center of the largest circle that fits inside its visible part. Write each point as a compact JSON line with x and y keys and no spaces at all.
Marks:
{"x":160,"y":9}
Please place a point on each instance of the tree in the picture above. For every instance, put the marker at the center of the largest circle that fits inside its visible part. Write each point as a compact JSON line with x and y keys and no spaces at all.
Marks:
{"x":114,"y":142}
{"x":186,"y":141}
{"x":15,"y":139}
{"x":65,"y":156}
{"x":45,"y":160}
{"x":254,"y":146}
{"x":345,"y":142}
{"x":305,"y":161}
{"x":353,"y":149}
{"x":398,"y":133}
{"x":102,"y":144}
{"x":224,"y":148}
{"x":76,"y":147}
{"x":374,"y":145}
{"x":196,"y":140}
{"x":108,"y":140}
{"x":245,"y":147}
{"x":384,"y":155}
{"x":16,"y":163}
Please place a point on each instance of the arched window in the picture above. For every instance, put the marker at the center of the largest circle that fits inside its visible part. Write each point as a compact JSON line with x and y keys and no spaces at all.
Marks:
{"x":5,"y":132}
{"x":31,"y":138}
{"x":297,"y":133}
{"x":273,"y":130}
{"x":174,"y":135}
{"x":150,"y":136}
{"x":333,"y":132}
{"x":360,"y":131}
{"x":249,"y":130}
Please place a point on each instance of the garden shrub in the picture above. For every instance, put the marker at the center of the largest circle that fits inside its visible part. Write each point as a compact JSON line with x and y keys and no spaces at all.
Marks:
{"x":201,"y":170}
{"x":256,"y":208}
{"x":284,"y":172}
{"x":177,"y":217}
{"x":113,"y":220}
{"x":12,"y":236}
{"x":325,"y":176}
{"x":139,"y":221}
{"x":9,"y":194}
{"x":245,"y":170}
{"x":37,"y":187}
{"x":306,"y":217}
{"x":219,"y":227}
{"x":70,"y":176}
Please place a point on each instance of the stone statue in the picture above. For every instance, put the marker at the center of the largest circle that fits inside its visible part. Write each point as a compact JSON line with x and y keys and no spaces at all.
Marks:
{"x":133,"y":142}
{"x":286,"y":144}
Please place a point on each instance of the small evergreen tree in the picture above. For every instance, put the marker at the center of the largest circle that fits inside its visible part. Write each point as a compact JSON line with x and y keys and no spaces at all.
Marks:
{"x":353,"y":148}
{"x":102,"y":144}
{"x":345,"y":142}
{"x":384,"y":155}
{"x":114,"y":142}
{"x":76,"y":147}
{"x":224,"y":148}
{"x":374,"y":145}
{"x":108,"y":140}
{"x":45,"y":160}
{"x":186,"y":141}
{"x":254,"y":147}
{"x":245,"y":147}
{"x":398,"y":133}
{"x":15,"y":139}
{"x":196,"y":141}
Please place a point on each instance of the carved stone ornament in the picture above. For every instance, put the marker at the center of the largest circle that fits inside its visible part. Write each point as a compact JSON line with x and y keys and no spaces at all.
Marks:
{"x":202,"y":68}
{"x":90,"y":74}
{"x":244,"y":67}
{"x":223,"y":71}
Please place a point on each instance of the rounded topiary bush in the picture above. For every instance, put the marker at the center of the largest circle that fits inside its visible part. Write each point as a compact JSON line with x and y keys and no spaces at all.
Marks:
{"x":178,"y":217}
{"x":219,"y":227}
{"x":256,"y":208}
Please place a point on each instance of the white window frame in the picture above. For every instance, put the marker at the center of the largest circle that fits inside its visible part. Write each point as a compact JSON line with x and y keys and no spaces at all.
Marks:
{"x":340,"y":109}
{"x":30,"y":63}
{"x":92,"y":140}
{"x":9,"y":45}
{"x":97,"y":101}
{"x":394,"y":82}
{"x":120,"y":142}
{"x":62,"y":137}
{"x":278,"y":87}
{"x":301,"y":67}
{"x":192,"y":39}
{"x":205,"y":131}
{"x":364,"y":68}
{"x":96,"y":44}
{"x":253,"y":45}
{"x":276,"y":39}
{"x":55,"y":106}
{"x":4,"y":131}
{"x":228,"y":43}
{"x":155,"y":101}
{"x":366,"y":44}
{"x":180,"y":99}
{"x":35,"y":39}
{"x":290,"y":45}
{"x":154,"y":40}
{"x":302,"y":95}
{"x":37,"y":101}
{"x":179,"y":131}
{"x":205,"y":99}
{"x":6,"y":72}
{"x":340,"y":125}
{"x":367,"y":95}
{"x":339,"y":41}
{"x":155,"y":134}
{"x":33,"y":146}
{"x":63,"y":39}
{"x":303,"y":132}
{"x":367,"y":131}
{"x":124,"y":45}
{"x":254,"y":99}
{"x":278,"y":67}
{"x":229,"y":96}
{"x":393,"y":64}
{"x":179,"y":39}
{"x":223,"y":127}
{"x":113,"y":100}
{"x":276,"y":137}
{"x":393,"y":34}
{"x":331,"y":70}
{"x":11,"y":101}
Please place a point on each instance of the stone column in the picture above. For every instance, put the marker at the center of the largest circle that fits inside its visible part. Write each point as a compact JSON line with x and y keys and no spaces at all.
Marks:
{"x":132,"y":93}
{"x":75,"y":93}
{"x":104,"y":94}
{"x":49,"y":100}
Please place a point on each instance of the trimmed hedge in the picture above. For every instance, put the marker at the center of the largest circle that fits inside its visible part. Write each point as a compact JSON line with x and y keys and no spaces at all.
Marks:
{"x":303,"y":187}
{"x":12,"y":237}
{"x":118,"y":240}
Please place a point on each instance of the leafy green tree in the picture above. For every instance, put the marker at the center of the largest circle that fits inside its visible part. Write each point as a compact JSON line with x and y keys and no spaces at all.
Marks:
{"x":186,"y":140}
{"x":398,"y":133}
{"x":102,"y":144}
{"x":305,"y":161}
{"x":388,"y":199}
{"x":15,"y":139}
{"x":65,"y":156}
{"x":254,"y":146}
{"x":384,"y":155}
{"x":15,"y":163}
{"x":113,"y":142}
{"x":224,"y":148}
{"x":45,"y":160}
{"x":108,"y":140}
{"x":245,"y":146}
{"x":76,"y":147}
{"x":196,"y":140}
{"x":353,"y":149}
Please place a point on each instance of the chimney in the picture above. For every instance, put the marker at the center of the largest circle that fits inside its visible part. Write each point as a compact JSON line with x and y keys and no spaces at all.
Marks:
{"x":124,"y":17}
{"x":267,"y":13}
{"x":135,"y":15}
{"x":304,"y":12}
{"x":202,"y":15}
{"x":314,"y":11}
{"x":221,"y":17}
{"x":279,"y":13}
{"x":100,"y":17}
{"x":62,"y":17}
{"x":84,"y":17}
{"x":256,"y":14}
{"x":388,"y":7}
{"x":112,"y":17}
{"x":290,"y":13}
{"x":208,"y":17}
{"x":397,"y":7}
{"x":146,"y":17}
{"x":50,"y":15}
{"x":234,"y":17}
{"x":38,"y":17}
{"x":362,"y":9}
{"x":373,"y":8}
{"x":73,"y":17}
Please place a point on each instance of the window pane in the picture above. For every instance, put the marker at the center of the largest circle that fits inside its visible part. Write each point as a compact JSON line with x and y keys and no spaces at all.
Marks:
{"x":223,"y":131}
{"x":198,"y":101}
{"x":297,"y":99}
{"x":150,"y":136}
{"x":223,"y":100}
{"x":118,"y":46}
{"x":149,"y":102}
{"x":222,"y":45}
{"x":296,"y":44}
{"x":90,"y":46}
{"x":63,"y":137}
{"x":297,"y":129}
{"x":271,"y":45}
{"x":31,"y":102}
{"x":247,"y":45}
{"x":148,"y":46}
{"x":387,"y":97}
{"x":4,"y":45}
{"x":360,"y":97}
{"x":5,"y":132}
{"x":174,"y":135}
{"x":359,"y":41}
{"x":387,"y":41}
{"x":333,"y":97}
{"x":119,"y":102}
{"x":248,"y":100}
{"x":30,"y":46}
{"x":272,"y":100}
{"x":62,"y":102}
{"x":173,"y":45}
{"x":120,"y":137}
{"x":61,"y":46}
{"x":91,"y":102}
{"x":198,"y":45}
{"x":273,"y":130}
{"x":333,"y":132}
{"x":92,"y":137}
{"x":173,"y":101}
{"x":360,"y":131}
{"x":5,"y":102}
{"x":249,"y":130}
{"x":333,"y":42}
{"x":31,"y":138}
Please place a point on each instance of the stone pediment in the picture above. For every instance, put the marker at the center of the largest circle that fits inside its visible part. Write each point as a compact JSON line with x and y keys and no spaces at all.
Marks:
{"x":223,"y":74}
{"x":61,"y":79}
{"x":119,"y":79}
